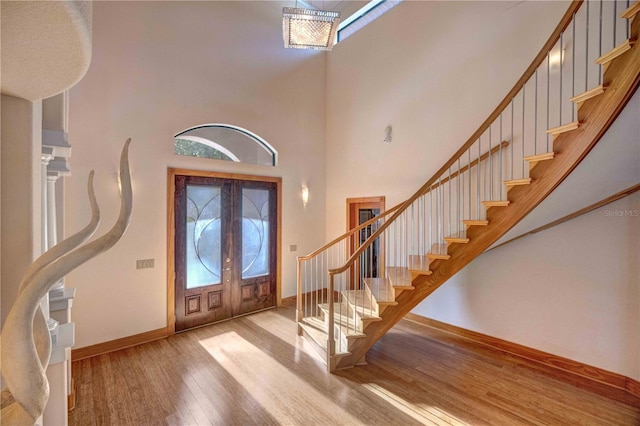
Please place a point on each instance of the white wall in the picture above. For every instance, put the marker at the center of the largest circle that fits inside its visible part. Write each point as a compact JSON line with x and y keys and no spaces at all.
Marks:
{"x":435,"y":70}
{"x":572,"y":290}
{"x":21,"y":148}
{"x":432,"y":70}
{"x":157,"y":69}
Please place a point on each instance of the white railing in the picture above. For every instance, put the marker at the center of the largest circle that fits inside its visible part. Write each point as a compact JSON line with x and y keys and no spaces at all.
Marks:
{"x":340,"y":286}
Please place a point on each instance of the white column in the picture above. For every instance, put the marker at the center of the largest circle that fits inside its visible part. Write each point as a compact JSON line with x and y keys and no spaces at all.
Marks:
{"x":45,"y":158}
{"x":52,"y":221}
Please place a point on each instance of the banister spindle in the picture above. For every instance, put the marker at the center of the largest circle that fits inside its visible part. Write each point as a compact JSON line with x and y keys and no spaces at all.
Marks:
{"x":535,"y":118}
{"x":478,"y":179}
{"x":523,"y":119}
{"x":490,"y":168}
{"x":449,"y":215}
{"x":573,"y":73}
{"x":430,"y":217}
{"x":548,"y":97}
{"x":413,"y":247}
{"x":512,"y":139}
{"x":469,"y":173}
{"x":560,"y":94}
{"x":600,"y":44}
{"x":628,"y":23}
{"x":459,"y":198}
{"x":615,"y":20}
{"x":500,"y":155}
{"x":586,"y":49}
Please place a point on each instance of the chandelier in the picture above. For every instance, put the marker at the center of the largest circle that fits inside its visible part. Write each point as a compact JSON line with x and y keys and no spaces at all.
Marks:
{"x":309,"y":28}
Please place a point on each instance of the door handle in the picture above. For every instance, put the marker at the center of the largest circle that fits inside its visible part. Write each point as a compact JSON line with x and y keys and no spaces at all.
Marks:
{"x":228,"y":268}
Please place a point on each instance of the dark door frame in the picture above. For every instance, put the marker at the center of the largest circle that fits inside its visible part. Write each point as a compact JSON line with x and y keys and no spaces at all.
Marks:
{"x":171,"y":174}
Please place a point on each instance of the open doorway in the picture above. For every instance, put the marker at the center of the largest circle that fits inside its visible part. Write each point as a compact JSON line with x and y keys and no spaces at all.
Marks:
{"x":359,"y":211}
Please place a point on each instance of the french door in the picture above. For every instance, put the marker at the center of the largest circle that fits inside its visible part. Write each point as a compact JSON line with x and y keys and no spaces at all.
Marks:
{"x":225,"y":248}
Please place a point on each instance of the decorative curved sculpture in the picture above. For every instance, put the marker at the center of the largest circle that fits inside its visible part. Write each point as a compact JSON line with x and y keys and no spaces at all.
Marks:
{"x":26,"y":344}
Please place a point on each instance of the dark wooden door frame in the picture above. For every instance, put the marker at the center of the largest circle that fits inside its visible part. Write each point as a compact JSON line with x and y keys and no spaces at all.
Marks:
{"x":171,"y":174}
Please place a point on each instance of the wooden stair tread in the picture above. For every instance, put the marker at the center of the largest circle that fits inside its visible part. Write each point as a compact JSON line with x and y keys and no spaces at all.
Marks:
{"x":439,"y":251}
{"x":419,"y":264}
{"x":318,"y":338}
{"x":616,"y":51}
{"x":459,"y":238}
{"x":475,"y":222}
{"x":632,"y":11}
{"x":314,"y":327}
{"x":362,"y":304}
{"x":516,"y":182}
{"x":400,"y":277}
{"x":346,"y":319}
{"x":598,"y":90}
{"x":357,"y":298}
{"x":317,"y":324}
{"x":564,"y":128}
{"x":497,"y":203}
{"x":381,"y":289}
{"x":540,"y":157}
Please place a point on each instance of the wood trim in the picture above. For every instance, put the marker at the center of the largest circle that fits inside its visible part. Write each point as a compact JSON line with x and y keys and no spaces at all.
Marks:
{"x":598,"y":90}
{"x":117,"y":344}
{"x":279,"y":250}
{"x":289,"y":301}
{"x":608,"y":200}
{"x":171,"y":174}
{"x":214,"y":174}
{"x":71,"y":398}
{"x":632,"y":11}
{"x":616,"y":51}
{"x":564,"y":128}
{"x":171,"y":238}
{"x":616,"y":386}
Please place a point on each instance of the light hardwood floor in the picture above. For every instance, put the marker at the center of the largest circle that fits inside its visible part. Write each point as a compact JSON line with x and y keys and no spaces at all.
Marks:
{"x":256,"y":370}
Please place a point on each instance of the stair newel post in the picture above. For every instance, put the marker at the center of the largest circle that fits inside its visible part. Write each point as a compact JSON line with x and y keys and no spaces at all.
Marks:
{"x":299,"y":297}
{"x":331,"y":343}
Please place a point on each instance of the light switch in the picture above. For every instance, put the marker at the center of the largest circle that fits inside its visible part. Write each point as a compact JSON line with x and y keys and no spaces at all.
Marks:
{"x":145,"y":263}
{"x":293,"y":247}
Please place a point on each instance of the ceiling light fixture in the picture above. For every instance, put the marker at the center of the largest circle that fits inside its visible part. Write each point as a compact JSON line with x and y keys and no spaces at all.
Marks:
{"x":309,"y":28}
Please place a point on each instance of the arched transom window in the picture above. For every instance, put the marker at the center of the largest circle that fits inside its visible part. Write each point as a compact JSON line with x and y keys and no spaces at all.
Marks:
{"x":225,"y":142}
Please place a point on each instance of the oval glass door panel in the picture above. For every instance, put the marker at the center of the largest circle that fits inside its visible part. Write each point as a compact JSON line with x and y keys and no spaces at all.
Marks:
{"x":203,"y":236}
{"x":255,"y":232}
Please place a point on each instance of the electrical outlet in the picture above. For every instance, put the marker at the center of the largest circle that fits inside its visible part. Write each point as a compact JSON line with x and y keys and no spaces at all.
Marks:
{"x":145,"y":263}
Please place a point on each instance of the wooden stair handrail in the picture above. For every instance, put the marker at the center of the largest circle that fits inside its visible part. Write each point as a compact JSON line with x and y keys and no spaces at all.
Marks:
{"x":349,"y":233}
{"x":352,"y":231}
{"x":538,"y":60}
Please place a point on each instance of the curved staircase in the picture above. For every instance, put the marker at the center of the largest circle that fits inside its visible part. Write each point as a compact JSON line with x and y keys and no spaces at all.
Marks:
{"x":350,"y":293}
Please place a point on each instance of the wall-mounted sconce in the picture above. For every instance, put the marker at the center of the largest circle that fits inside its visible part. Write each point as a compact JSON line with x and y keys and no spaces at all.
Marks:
{"x":305,"y":196}
{"x":387,"y":134}
{"x":556,"y":57}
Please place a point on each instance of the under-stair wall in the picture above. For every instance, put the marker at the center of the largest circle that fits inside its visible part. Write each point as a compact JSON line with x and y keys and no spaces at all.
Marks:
{"x":521,"y":149}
